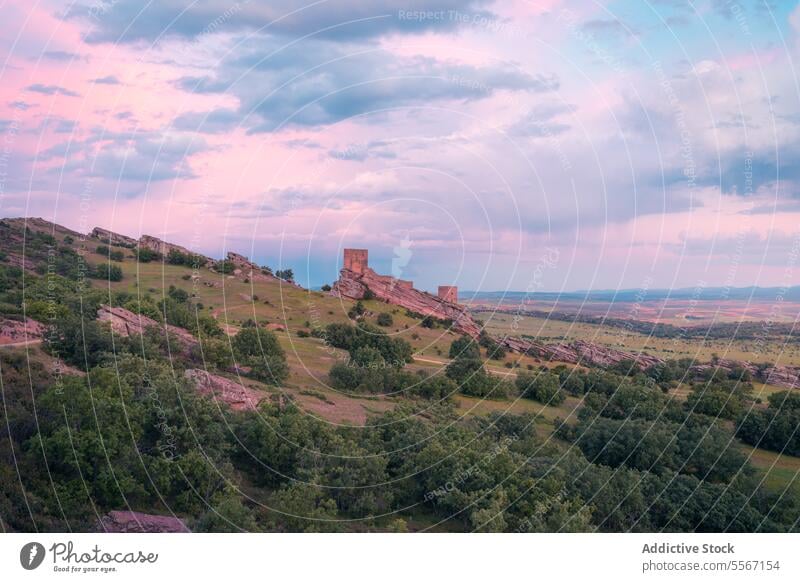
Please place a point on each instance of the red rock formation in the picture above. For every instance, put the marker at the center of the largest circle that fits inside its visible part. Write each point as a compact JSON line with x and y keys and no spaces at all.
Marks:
{"x":126,"y":323}
{"x":578,"y":352}
{"x":113,"y":237}
{"x":356,"y":260}
{"x":448,"y":293}
{"x":14,"y":331}
{"x":783,"y":376}
{"x":354,"y":285}
{"x":135,"y":522}
{"x":232,"y":393}
{"x":598,"y":355}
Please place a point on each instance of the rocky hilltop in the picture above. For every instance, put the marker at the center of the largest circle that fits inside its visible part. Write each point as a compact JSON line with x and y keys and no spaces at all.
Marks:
{"x":357,"y":280}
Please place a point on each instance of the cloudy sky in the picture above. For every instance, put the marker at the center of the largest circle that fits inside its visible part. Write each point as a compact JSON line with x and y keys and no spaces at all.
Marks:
{"x":528,"y":145}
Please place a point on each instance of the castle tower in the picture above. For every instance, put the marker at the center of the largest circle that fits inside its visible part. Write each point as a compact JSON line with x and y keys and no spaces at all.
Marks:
{"x":356,"y":260}
{"x":448,"y":293}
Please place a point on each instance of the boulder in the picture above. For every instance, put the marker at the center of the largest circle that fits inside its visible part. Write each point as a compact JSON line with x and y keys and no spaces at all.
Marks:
{"x":232,"y":393}
{"x":126,"y":323}
{"x":113,"y":238}
{"x":14,"y":331}
{"x":135,"y":522}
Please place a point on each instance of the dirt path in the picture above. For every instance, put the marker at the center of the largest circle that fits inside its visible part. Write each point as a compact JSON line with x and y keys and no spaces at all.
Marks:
{"x":489,"y":369}
{"x":21,"y":344}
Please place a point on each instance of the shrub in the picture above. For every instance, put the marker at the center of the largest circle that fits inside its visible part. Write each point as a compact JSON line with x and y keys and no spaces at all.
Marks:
{"x":356,"y":311}
{"x":543,"y":387}
{"x":285,"y":274}
{"x":107,"y":272}
{"x":145,"y":255}
{"x":464,"y":347}
{"x":259,"y":350}
{"x":225,"y":267}
{"x":385,"y":320}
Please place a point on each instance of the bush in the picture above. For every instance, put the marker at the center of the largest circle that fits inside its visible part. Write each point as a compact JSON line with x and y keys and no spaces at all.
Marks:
{"x":107,"y":272}
{"x":543,"y":387}
{"x":145,"y":255}
{"x":464,"y":347}
{"x":117,"y":256}
{"x":259,"y":350}
{"x":225,"y":267}
{"x":326,"y":287}
{"x":775,"y":428}
{"x":177,"y":294}
{"x":356,"y":311}
{"x":285,"y":274}
{"x":385,"y":320}
{"x":436,"y":387}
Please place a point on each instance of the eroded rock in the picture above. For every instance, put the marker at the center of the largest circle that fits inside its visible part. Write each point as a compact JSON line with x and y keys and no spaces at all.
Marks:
{"x":232,"y":393}
{"x":14,"y":331}
{"x":126,"y":323}
{"x":354,"y":285}
{"x":135,"y":522}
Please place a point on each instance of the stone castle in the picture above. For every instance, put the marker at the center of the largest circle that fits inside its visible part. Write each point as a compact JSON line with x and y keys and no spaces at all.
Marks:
{"x":356,"y":279}
{"x":357,"y":261}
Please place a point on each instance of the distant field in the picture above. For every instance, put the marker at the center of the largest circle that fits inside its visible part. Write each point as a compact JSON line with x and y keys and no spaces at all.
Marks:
{"x":550,"y":330}
{"x":677,"y":312}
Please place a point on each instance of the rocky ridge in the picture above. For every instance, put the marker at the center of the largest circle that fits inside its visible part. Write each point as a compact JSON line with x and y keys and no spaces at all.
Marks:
{"x":352,"y":285}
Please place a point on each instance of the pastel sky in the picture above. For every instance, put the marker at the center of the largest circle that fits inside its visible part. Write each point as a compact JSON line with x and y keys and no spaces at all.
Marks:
{"x":512,"y":144}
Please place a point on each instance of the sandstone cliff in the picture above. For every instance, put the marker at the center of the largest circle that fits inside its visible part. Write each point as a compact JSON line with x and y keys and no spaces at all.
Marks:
{"x":352,"y":285}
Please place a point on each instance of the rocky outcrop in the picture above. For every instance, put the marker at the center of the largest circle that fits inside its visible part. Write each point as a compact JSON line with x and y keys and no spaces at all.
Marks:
{"x":14,"y":331}
{"x":600,"y":355}
{"x":578,"y":352}
{"x":157,"y":245}
{"x":246,"y":268}
{"x":725,"y":365}
{"x":113,"y":238}
{"x":352,"y":285}
{"x":135,"y":522}
{"x":126,"y":323}
{"x":582,"y":352}
{"x":232,"y":393}
{"x":783,"y":376}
